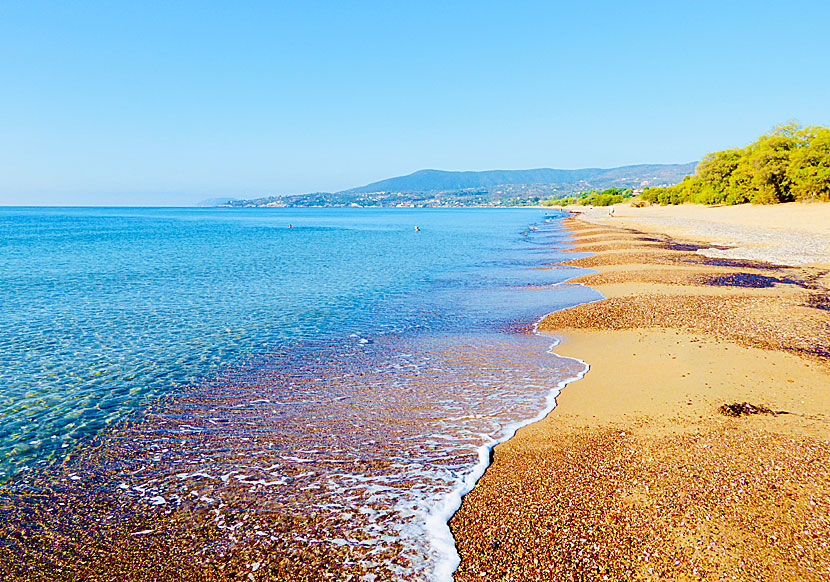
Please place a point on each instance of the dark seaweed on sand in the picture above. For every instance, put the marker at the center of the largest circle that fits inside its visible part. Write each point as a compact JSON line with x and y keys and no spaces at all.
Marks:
{"x":737,"y":409}
{"x":749,"y":280}
{"x":819,"y":301}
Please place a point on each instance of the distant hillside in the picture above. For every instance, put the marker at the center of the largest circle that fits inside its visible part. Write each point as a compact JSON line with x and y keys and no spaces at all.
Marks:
{"x":438,"y":188}
{"x":441,"y":181}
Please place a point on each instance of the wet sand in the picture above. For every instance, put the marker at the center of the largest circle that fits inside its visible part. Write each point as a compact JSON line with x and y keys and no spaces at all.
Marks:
{"x":698,"y":445}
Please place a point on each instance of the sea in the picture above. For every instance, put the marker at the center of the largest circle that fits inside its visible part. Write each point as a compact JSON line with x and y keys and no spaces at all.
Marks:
{"x":305,"y":388}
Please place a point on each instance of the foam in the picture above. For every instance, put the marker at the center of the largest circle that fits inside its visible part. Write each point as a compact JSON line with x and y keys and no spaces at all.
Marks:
{"x":437,"y":520}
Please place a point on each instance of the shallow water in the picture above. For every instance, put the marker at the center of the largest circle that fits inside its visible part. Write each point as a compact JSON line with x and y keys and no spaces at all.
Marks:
{"x":330,"y":386}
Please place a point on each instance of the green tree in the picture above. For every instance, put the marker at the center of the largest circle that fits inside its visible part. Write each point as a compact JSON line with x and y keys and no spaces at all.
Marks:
{"x":769,"y":158}
{"x":809,"y":167}
{"x":788,"y":163}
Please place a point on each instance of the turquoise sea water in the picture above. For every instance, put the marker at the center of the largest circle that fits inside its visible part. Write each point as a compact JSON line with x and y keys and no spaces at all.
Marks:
{"x":109,"y":313}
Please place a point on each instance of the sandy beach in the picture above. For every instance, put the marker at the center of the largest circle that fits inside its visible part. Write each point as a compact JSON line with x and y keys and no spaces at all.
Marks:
{"x":698,"y":445}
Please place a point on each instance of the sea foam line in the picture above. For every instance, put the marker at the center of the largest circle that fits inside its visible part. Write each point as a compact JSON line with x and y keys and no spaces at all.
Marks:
{"x":437,"y":521}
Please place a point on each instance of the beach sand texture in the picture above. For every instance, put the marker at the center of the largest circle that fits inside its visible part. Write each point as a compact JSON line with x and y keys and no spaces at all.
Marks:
{"x":637,"y":474}
{"x":794,"y":234}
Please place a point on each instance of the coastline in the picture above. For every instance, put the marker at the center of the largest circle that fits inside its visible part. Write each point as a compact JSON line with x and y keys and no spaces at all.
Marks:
{"x":438,"y":521}
{"x":636,"y":474}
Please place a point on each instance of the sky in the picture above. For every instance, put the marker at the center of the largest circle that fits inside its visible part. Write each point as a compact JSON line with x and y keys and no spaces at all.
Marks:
{"x":169,"y":103}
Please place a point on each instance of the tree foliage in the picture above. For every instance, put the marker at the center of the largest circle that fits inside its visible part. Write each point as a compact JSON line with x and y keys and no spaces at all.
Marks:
{"x":607,"y":197}
{"x":789,"y":163}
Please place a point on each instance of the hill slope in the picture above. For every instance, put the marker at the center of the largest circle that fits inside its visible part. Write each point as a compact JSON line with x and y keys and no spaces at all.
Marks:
{"x":441,"y":181}
{"x":438,"y":188}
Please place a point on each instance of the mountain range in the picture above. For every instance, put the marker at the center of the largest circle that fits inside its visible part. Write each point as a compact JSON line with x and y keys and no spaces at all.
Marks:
{"x":441,"y":180}
{"x":485,"y":188}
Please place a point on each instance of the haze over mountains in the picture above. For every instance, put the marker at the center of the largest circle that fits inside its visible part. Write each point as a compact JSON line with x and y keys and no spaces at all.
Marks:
{"x":485,"y":188}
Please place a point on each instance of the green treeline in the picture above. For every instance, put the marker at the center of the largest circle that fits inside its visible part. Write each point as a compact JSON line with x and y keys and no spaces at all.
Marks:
{"x":788,"y":164}
{"x":607,"y":197}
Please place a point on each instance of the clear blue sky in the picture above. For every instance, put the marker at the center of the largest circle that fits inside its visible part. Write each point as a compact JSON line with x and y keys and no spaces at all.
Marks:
{"x":172,"y":102}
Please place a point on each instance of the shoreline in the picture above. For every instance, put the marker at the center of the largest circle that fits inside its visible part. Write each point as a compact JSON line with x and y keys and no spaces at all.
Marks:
{"x":442,"y":515}
{"x":629,"y":476}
